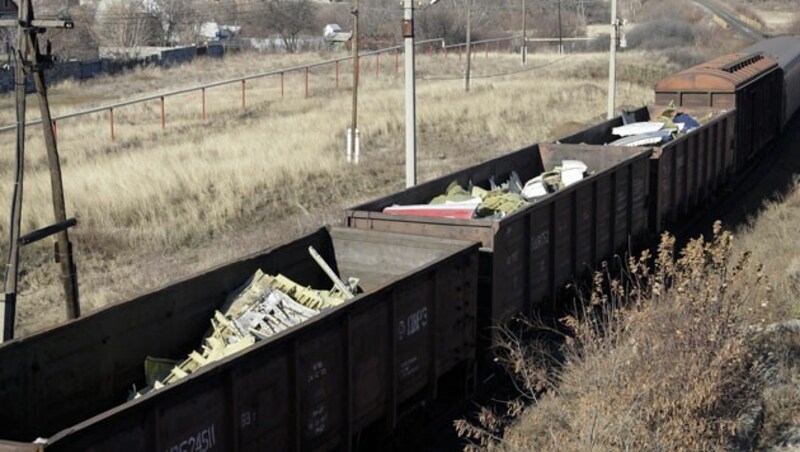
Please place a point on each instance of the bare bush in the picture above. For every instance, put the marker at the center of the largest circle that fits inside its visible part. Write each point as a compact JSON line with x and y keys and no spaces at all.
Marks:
{"x":657,"y":360}
{"x":685,"y":57}
{"x":126,"y":23}
{"x":448,"y":20}
{"x":442,"y":23}
{"x":180,"y":21}
{"x":290,"y":18}
{"x":379,"y":25}
{"x":661,"y":34}
{"x":78,"y":43}
{"x":684,"y":10}
{"x":332,"y":14}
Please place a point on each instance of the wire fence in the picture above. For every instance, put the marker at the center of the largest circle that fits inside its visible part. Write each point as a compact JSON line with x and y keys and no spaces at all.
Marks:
{"x":431,"y":46}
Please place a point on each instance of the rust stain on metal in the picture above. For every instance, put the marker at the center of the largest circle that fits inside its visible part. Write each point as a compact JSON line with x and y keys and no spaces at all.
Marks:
{"x":724,"y":74}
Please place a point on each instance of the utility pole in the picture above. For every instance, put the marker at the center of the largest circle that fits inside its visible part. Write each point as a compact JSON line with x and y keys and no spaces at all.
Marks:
{"x":612,"y":64}
{"x":28,"y":29}
{"x":411,"y":94}
{"x":353,"y":139}
{"x":524,"y":32}
{"x":469,"y":46}
{"x":560,"y":38}
{"x":10,"y":283}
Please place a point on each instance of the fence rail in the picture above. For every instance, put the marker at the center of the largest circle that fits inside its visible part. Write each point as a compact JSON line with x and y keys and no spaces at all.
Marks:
{"x":305,"y":68}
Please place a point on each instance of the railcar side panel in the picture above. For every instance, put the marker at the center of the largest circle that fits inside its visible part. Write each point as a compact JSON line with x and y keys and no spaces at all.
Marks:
{"x":684,"y":173}
{"x":310,"y":387}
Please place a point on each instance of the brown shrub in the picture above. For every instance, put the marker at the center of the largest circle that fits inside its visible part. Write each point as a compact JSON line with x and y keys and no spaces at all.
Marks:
{"x":655,"y":360}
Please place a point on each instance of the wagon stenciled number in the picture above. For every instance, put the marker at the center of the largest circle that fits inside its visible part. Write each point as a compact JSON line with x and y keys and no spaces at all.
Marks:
{"x":248,"y":418}
{"x":318,"y":421}
{"x":318,"y":371}
{"x":412,"y":324}
{"x":540,"y":241}
{"x":201,"y":441}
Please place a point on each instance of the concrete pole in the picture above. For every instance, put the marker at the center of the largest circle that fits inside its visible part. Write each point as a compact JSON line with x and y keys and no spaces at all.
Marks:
{"x":612,"y":64}
{"x":524,"y":32}
{"x":560,"y":33}
{"x":469,"y":46}
{"x":354,"y":122}
{"x":411,"y":101}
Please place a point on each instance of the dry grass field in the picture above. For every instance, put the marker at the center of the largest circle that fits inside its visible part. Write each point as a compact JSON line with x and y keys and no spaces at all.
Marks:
{"x":156,"y":204}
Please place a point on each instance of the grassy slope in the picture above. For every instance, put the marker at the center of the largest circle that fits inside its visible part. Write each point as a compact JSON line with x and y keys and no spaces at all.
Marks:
{"x":157,"y":205}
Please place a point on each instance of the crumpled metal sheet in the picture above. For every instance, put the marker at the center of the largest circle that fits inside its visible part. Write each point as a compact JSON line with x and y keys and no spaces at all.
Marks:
{"x":264,"y":306}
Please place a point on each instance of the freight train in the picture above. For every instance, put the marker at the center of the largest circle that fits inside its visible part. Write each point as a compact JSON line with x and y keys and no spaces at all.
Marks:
{"x":432,"y":288}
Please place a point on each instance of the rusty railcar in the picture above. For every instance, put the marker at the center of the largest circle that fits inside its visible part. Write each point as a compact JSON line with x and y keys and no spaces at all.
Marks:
{"x":310,"y":387}
{"x":749,"y":83}
{"x":786,"y":51}
{"x":529,"y":255}
{"x":684,"y":173}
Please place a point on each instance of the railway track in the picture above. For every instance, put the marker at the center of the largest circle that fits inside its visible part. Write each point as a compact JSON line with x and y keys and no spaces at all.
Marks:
{"x":731,"y":19}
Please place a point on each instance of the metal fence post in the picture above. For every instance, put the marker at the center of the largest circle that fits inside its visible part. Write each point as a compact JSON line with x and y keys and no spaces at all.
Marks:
{"x":306,"y":81}
{"x":378,"y":65}
{"x":397,"y":62}
{"x":204,"y":102}
{"x":486,"y":49}
{"x":282,"y":84}
{"x":163,"y":115}
{"x":337,"y":74}
{"x":244,"y":99}
{"x":111,"y":120}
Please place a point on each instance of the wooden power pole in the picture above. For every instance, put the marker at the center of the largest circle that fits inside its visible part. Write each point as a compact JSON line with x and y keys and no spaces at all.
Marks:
{"x":30,"y":60}
{"x":469,"y":46}
{"x":524,"y":51}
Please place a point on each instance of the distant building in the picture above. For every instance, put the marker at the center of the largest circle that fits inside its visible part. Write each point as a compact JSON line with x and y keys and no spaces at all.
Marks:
{"x":212,"y":31}
{"x":336,"y":37}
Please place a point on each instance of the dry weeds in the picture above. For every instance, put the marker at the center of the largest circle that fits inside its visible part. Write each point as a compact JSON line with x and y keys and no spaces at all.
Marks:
{"x":657,"y":360}
{"x":772,"y":238}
